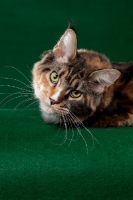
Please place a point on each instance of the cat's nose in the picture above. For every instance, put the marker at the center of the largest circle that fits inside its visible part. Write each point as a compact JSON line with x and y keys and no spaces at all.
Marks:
{"x":52,"y":101}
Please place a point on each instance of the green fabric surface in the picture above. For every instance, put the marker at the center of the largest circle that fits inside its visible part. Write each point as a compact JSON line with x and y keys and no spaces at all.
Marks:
{"x":36,"y":165}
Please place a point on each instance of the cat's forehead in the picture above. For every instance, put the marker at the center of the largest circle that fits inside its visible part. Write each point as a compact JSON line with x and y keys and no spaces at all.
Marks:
{"x":77,"y":72}
{"x":75,"y":66}
{"x":84,"y":59}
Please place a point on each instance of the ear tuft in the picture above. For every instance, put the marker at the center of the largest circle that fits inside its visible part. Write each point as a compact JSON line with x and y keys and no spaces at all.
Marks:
{"x":71,"y":26}
{"x":66,"y":48}
{"x":103,"y":78}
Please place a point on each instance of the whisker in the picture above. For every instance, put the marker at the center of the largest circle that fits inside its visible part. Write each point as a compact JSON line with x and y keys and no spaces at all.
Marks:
{"x":28,"y":67}
{"x":13,"y":99}
{"x":12,"y":86}
{"x":17,"y":81}
{"x":57,"y":134}
{"x":85,"y":128}
{"x":29,"y":99}
{"x":69,"y":119}
{"x":19,"y":72}
{"x":6,"y":93}
{"x":31,"y":104}
{"x":65,"y":137}
{"x":77,"y":121}
{"x":14,"y":94}
{"x":76,"y":124}
{"x":59,"y":127}
{"x":81,"y":134}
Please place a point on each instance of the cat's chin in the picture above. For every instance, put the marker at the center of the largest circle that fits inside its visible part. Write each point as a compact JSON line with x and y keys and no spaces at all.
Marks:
{"x":48,"y":114}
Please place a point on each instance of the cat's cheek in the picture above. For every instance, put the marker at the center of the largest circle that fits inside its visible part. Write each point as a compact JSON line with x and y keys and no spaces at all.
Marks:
{"x":48,"y":114}
{"x":40,"y":93}
{"x":37,"y":90}
{"x":51,"y":118}
{"x":46,"y":108}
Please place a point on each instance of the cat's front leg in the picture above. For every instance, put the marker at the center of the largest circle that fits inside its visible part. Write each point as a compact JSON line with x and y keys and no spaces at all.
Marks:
{"x":103,"y":123}
{"x":114,"y":120}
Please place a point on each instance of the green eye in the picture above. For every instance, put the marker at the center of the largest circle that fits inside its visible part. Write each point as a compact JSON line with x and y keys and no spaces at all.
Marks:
{"x":54,"y":77}
{"x":75,"y":94}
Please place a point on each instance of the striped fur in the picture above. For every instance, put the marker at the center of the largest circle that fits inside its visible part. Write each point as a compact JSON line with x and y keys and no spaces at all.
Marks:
{"x":105,"y":87}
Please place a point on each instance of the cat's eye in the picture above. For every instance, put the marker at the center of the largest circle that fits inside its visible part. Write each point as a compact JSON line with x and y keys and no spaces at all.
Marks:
{"x":75,"y":94}
{"x":54,"y":77}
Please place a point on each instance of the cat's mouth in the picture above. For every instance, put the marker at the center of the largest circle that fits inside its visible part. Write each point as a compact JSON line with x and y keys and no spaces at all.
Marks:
{"x":60,"y":110}
{"x":51,"y":109}
{"x":53,"y":113}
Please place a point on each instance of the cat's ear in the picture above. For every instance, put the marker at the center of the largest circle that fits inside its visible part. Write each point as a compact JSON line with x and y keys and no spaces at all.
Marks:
{"x":65,"y":50}
{"x":103,"y":78}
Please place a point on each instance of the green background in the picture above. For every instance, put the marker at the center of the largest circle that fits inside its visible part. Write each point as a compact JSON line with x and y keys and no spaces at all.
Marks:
{"x":29,"y":27}
{"x":34,"y":162}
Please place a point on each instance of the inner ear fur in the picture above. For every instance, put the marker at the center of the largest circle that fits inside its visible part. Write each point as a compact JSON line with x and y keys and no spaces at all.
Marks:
{"x":103,"y":78}
{"x":65,"y":50}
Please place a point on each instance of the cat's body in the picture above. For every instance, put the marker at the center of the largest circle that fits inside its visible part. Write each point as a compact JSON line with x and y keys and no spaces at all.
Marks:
{"x":83,"y":86}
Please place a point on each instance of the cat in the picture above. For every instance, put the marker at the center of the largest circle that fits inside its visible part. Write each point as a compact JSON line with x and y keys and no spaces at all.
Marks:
{"x":83,"y":86}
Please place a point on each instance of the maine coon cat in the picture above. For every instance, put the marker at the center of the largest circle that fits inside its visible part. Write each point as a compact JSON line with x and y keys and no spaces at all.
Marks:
{"x":83,"y":85}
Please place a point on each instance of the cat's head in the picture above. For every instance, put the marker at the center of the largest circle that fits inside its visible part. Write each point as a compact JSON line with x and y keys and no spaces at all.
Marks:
{"x":68,"y":80}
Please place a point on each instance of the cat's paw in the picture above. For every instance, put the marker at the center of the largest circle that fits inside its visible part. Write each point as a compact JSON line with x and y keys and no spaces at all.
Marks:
{"x":105,"y":123}
{"x":99,"y":123}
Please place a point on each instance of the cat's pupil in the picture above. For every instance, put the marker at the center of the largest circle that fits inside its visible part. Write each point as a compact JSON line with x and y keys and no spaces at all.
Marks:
{"x":55,"y":76}
{"x":75,"y":94}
